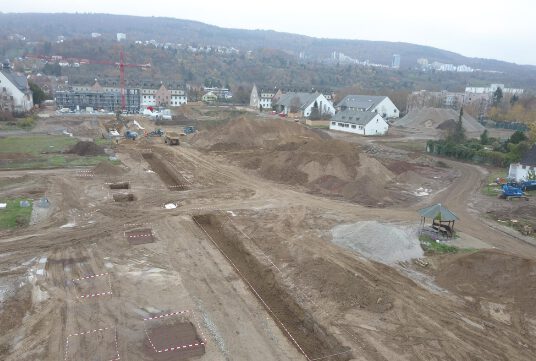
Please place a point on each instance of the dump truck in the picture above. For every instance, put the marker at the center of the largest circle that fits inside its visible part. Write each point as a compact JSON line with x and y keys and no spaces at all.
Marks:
{"x":172,"y":138}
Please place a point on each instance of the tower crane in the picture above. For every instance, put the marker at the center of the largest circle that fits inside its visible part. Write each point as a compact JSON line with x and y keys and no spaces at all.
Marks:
{"x":121,"y":64}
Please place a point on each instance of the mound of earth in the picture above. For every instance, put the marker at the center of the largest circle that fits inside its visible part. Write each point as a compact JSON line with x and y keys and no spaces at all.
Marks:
{"x":494,"y":276}
{"x":86,"y":148}
{"x":290,"y":153}
{"x":107,"y":168}
{"x":380,"y":242}
{"x":243,"y":133}
{"x":433,"y":120}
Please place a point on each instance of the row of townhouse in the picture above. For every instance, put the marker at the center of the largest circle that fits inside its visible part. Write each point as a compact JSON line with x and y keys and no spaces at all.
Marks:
{"x":140,"y":97}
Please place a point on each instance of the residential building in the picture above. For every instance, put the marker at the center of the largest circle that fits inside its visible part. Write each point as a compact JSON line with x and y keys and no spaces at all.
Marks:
{"x":370,"y":103}
{"x":153,"y":96}
{"x":98,"y":98}
{"x":14,"y":90}
{"x":527,"y":165}
{"x":262,"y":98}
{"x":359,"y":122}
{"x":209,"y":98}
{"x":492,"y":88}
{"x":302,"y":103}
{"x":121,"y":36}
{"x":428,"y":99}
{"x":96,"y":35}
{"x":172,"y":97}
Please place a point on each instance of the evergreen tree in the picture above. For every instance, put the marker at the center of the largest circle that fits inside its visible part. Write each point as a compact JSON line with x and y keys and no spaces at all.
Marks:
{"x":497,"y":96}
{"x":38,"y":94}
{"x":484,"y":138}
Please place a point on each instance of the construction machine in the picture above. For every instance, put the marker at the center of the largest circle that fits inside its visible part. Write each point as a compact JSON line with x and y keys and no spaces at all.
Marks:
{"x":172,"y":138}
{"x":510,"y":192}
{"x":189,"y":130}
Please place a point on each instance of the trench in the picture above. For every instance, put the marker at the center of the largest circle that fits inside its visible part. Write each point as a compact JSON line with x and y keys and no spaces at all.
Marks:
{"x":124,"y":197}
{"x":164,"y":171}
{"x":297,"y":324}
{"x":122,"y":185}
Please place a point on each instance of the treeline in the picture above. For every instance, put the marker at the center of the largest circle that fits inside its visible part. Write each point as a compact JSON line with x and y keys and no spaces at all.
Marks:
{"x":486,"y":150}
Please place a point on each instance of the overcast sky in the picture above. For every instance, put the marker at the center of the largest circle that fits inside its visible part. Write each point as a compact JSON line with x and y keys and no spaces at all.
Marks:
{"x":504,"y":30}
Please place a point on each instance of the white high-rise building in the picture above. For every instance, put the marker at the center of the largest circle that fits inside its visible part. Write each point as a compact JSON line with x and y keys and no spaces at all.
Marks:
{"x":396,"y":61}
{"x":121,"y":36}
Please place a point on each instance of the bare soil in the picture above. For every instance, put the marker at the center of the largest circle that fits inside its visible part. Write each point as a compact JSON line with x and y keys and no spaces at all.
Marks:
{"x":84,"y":148}
{"x":470,"y":306}
{"x":166,"y":173}
{"x":294,"y":321}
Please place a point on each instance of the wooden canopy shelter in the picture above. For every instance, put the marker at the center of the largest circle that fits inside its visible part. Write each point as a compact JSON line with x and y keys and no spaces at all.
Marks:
{"x":442,"y":218}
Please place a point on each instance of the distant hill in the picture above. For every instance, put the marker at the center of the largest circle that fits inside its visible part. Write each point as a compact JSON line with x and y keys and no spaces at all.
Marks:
{"x":39,"y":26}
{"x":274,"y":59}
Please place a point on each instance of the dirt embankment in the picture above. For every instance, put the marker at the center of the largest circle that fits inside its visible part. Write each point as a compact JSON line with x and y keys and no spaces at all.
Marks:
{"x":86,"y":148}
{"x":171,"y":178}
{"x":493,"y":276}
{"x":108,"y":169}
{"x":290,"y":153}
{"x":312,"y":338}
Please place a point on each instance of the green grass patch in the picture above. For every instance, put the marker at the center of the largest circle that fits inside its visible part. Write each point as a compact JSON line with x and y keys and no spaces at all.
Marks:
{"x":14,"y":216}
{"x":36,"y":144}
{"x":491,"y":188}
{"x":429,"y":244}
{"x":44,"y":152}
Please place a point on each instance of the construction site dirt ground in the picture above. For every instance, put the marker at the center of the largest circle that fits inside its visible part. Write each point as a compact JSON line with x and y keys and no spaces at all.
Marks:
{"x":246,"y":266}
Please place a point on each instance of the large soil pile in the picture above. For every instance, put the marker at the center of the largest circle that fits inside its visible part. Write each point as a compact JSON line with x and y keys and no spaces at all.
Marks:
{"x":494,"y":276}
{"x":86,"y":148}
{"x":435,"y":120}
{"x":290,"y":153}
{"x":106,"y":168}
{"x":243,"y":133}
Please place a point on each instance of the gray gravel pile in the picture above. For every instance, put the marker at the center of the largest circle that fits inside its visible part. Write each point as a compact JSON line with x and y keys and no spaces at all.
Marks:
{"x":381,"y":242}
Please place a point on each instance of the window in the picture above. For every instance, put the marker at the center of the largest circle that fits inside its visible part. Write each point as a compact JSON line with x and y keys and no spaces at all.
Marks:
{"x":341,"y":124}
{"x":333,"y":123}
{"x":353,"y":126}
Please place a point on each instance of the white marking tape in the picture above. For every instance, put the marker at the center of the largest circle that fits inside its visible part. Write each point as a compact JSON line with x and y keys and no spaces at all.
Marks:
{"x":165,"y":315}
{"x":140,"y":235}
{"x":136,"y":224}
{"x":175,"y":348}
{"x":95,"y":294}
{"x":90,"y":276}
{"x":116,"y":358}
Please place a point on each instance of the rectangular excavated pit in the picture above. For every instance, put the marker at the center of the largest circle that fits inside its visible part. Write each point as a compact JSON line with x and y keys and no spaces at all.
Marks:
{"x":121,"y":185}
{"x":296,"y":323}
{"x":124,"y":197}
{"x":140,"y":236}
{"x":175,"y":341}
{"x":171,"y":179}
